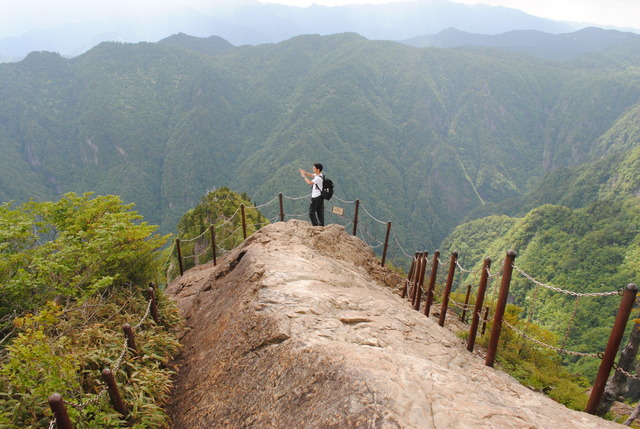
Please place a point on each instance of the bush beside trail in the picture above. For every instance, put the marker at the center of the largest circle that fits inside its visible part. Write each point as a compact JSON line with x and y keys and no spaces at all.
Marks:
{"x":72,"y":273}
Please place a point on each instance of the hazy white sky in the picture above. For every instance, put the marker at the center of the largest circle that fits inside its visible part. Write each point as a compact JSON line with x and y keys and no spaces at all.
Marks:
{"x":19,"y":16}
{"x":620,"y":13}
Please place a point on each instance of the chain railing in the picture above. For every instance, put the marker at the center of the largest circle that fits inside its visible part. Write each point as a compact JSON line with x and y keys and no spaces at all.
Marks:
{"x":413,"y":289}
{"x":364,"y":228}
{"x":58,"y":404}
{"x":440,"y":280}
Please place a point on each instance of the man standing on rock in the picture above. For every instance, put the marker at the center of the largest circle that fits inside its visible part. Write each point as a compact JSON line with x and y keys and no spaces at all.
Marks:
{"x":316,"y":208}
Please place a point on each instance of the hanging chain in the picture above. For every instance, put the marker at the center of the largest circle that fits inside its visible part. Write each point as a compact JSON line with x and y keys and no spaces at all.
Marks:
{"x":558,"y":349}
{"x":619,"y":369}
{"x":568,"y":292}
{"x":571,"y":322}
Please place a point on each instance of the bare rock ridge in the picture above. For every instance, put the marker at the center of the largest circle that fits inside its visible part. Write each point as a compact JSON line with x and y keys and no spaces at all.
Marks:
{"x":300,"y":327}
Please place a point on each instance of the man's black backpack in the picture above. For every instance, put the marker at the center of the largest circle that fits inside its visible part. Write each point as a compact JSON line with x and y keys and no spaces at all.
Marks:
{"x":327,"y":188}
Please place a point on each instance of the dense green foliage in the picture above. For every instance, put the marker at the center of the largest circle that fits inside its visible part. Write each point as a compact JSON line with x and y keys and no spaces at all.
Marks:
{"x":70,"y":250}
{"x":222,"y":210}
{"x":72,"y":272}
{"x":536,"y":367}
{"x":587,"y":250}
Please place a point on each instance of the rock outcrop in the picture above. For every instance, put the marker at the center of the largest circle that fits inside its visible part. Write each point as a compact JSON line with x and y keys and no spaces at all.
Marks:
{"x":301,"y":328}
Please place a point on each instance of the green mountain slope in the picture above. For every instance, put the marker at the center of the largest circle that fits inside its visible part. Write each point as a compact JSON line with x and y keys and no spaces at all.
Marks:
{"x":578,"y":231}
{"x":587,"y":250}
{"x":424,"y":137}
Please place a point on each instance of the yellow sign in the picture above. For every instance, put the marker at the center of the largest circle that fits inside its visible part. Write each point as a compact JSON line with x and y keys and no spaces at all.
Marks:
{"x":337,"y":210}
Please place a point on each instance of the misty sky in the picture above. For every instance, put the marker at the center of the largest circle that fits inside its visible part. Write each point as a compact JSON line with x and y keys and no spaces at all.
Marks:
{"x":620,"y":13}
{"x":20,"y":16}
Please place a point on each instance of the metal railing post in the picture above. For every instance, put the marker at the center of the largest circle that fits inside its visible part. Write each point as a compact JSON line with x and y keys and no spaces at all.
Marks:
{"x":417,"y":296}
{"x":409,"y":279}
{"x":626,"y":304}
{"x":56,"y":403}
{"x":355,"y":218}
{"x":114,"y":393}
{"x":432,"y":282}
{"x":281,"y":207}
{"x":131,"y":339}
{"x":466,"y":304}
{"x":154,"y":306}
{"x":386,"y":244}
{"x":244,"y":222}
{"x":415,"y":278}
{"x":213,"y":244}
{"x":501,"y":305}
{"x":484,"y":321}
{"x":179,"y":256}
{"x":447,"y":288}
{"x":475,"y":316}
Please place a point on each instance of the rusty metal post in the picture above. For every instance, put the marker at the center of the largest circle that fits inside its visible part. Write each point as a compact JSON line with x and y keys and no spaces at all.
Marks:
{"x":179,"y":256}
{"x":420,"y":281}
{"x":355,"y":218}
{"x":405,"y":287}
{"x":484,"y":321}
{"x":213,"y":244}
{"x":154,"y":306}
{"x":626,"y":304}
{"x":408,"y":281}
{"x":244,"y":222}
{"x":413,"y":291}
{"x":114,"y":393}
{"x":466,"y":304}
{"x":56,"y":403}
{"x":501,"y":305}
{"x":281,"y":207}
{"x":432,"y":282}
{"x":475,"y":316}
{"x":131,"y":339}
{"x":447,"y":288}
{"x":414,"y":278}
{"x":386,"y":244}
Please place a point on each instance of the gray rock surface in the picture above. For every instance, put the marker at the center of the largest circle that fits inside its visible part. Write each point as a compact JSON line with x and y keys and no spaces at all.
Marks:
{"x":301,"y":328}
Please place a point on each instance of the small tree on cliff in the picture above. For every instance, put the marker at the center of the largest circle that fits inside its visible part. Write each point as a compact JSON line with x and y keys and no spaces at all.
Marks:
{"x":220,"y":208}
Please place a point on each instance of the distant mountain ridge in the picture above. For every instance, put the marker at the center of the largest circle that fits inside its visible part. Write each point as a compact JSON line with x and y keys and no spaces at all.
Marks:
{"x":257,"y":23}
{"x":557,"y":47}
{"x":210,"y":45}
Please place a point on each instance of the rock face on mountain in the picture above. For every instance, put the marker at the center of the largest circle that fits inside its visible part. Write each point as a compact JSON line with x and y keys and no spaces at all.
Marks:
{"x":301,"y":328}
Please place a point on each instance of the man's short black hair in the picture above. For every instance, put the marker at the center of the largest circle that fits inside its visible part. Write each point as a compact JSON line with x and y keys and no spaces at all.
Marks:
{"x":318,"y":166}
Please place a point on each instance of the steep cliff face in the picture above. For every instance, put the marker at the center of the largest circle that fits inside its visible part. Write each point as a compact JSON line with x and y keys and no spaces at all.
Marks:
{"x":300,"y":327}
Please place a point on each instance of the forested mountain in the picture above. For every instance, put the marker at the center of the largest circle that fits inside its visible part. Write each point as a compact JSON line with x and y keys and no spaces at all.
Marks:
{"x":424,"y":137}
{"x":577,"y":229}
